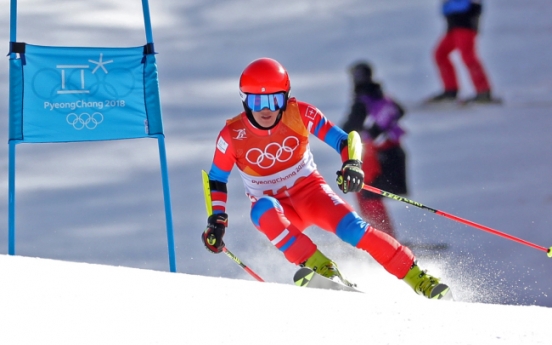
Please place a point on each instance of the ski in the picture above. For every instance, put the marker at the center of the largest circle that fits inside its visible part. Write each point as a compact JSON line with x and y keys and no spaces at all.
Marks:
{"x":458,"y":104}
{"x":468,"y":101}
{"x":305,"y":277}
{"x":441,"y":291}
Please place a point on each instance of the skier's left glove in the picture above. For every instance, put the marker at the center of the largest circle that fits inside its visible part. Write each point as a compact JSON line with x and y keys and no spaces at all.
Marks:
{"x":213,"y":234}
{"x":351,"y":177}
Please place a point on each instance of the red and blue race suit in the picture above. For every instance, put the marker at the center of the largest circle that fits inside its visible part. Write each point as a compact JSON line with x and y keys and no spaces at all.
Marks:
{"x":287,"y":192}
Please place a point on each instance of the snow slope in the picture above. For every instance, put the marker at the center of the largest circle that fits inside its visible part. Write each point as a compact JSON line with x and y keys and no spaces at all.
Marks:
{"x":46,"y":301}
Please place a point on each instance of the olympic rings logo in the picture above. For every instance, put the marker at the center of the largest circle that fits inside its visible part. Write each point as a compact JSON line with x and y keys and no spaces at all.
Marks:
{"x":84,"y":120}
{"x":273,"y":153}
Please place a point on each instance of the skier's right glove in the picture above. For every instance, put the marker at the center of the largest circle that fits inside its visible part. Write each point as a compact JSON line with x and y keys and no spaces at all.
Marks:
{"x":213,"y":234}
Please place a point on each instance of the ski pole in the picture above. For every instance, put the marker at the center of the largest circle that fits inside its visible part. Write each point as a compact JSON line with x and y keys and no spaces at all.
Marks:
{"x":209,"y":209}
{"x":456,"y":218}
{"x":242,"y":265}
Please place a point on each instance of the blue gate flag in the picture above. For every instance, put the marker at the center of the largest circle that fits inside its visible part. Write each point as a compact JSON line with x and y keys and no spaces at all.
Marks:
{"x":67,"y":94}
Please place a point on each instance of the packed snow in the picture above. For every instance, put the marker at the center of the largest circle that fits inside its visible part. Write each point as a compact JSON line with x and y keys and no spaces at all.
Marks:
{"x":46,"y":301}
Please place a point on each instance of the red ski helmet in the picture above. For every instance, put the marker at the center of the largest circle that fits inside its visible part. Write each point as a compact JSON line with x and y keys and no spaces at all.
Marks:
{"x":264,"y":76}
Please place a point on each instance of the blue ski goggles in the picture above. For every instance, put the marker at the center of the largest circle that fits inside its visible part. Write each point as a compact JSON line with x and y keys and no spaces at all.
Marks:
{"x":273,"y":101}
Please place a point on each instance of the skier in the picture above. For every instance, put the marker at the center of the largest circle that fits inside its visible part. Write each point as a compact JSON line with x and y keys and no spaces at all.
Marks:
{"x":462,"y":18}
{"x":269,"y":144}
{"x":375,"y":116}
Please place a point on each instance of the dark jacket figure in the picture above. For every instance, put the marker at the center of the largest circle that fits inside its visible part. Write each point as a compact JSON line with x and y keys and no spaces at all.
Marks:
{"x":462,"y":14}
{"x":375,"y":116}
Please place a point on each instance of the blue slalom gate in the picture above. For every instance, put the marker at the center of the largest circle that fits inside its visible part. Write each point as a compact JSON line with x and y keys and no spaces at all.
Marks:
{"x":74,"y":94}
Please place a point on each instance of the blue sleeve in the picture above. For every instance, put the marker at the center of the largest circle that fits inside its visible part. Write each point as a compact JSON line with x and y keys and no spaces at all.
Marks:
{"x":334,"y":137}
{"x":218,"y":174}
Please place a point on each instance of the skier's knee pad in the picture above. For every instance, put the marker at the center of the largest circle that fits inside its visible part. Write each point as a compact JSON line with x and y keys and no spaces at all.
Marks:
{"x":351,"y":228}
{"x":262,"y":206}
{"x":268,"y":216}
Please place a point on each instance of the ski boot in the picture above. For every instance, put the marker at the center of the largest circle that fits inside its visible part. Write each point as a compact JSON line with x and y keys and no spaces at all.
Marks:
{"x":322,"y":265}
{"x":484,"y":97}
{"x":426,"y":285}
{"x":444,"y":97}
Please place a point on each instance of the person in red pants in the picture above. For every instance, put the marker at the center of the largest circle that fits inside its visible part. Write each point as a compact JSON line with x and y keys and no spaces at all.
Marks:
{"x":462,"y":18}
{"x":375,"y":116}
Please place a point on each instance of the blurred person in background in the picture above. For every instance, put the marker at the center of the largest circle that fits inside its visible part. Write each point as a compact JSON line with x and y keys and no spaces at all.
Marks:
{"x":375,"y":116}
{"x":462,"y":18}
